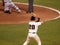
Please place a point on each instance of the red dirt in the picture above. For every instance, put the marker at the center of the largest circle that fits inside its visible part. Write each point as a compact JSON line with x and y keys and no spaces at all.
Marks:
{"x":23,"y":17}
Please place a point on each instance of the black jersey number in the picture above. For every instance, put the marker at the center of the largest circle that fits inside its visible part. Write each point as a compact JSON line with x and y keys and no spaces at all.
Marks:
{"x":31,"y":26}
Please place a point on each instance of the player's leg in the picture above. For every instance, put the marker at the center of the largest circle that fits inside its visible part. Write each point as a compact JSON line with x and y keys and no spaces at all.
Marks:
{"x":36,"y":37}
{"x":30,"y":8}
{"x":6,"y":8}
{"x":27,"y":40}
{"x":15,"y":7}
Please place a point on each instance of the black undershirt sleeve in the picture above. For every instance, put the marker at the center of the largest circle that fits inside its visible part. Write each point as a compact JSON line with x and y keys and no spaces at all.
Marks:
{"x":38,"y":20}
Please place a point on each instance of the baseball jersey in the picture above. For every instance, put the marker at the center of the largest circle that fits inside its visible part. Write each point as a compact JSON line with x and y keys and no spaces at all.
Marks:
{"x":7,"y":0}
{"x":33,"y":26}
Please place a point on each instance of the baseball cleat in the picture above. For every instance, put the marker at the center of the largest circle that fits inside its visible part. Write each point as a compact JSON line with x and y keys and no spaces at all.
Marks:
{"x":7,"y":11}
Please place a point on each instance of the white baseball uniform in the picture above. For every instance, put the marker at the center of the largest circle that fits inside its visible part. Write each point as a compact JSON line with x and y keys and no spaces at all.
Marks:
{"x":33,"y":27}
{"x":8,"y":4}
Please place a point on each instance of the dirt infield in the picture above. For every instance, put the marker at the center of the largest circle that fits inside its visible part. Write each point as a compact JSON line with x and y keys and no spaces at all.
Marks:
{"x":23,"y":17}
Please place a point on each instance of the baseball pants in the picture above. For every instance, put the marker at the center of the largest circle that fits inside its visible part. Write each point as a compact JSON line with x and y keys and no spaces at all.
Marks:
{"x":35,"y":36}
{"x":11,"y":4}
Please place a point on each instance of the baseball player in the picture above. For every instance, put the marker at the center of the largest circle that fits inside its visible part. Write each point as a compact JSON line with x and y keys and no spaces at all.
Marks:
{"x":8,"y":4}
{"x":32,"y":33}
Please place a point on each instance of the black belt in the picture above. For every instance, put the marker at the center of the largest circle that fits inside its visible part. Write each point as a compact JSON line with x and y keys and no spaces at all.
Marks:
{"x":32,"y":32}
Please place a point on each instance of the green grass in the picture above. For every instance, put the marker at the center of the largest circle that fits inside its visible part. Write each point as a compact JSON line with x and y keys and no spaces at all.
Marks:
{"x":50,"y":33}
{"x":12,"y":34}
{"x":15,"y":34}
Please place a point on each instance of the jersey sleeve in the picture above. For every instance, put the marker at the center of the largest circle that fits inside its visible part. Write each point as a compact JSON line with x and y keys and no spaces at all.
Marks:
{"x":38,"y":23}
